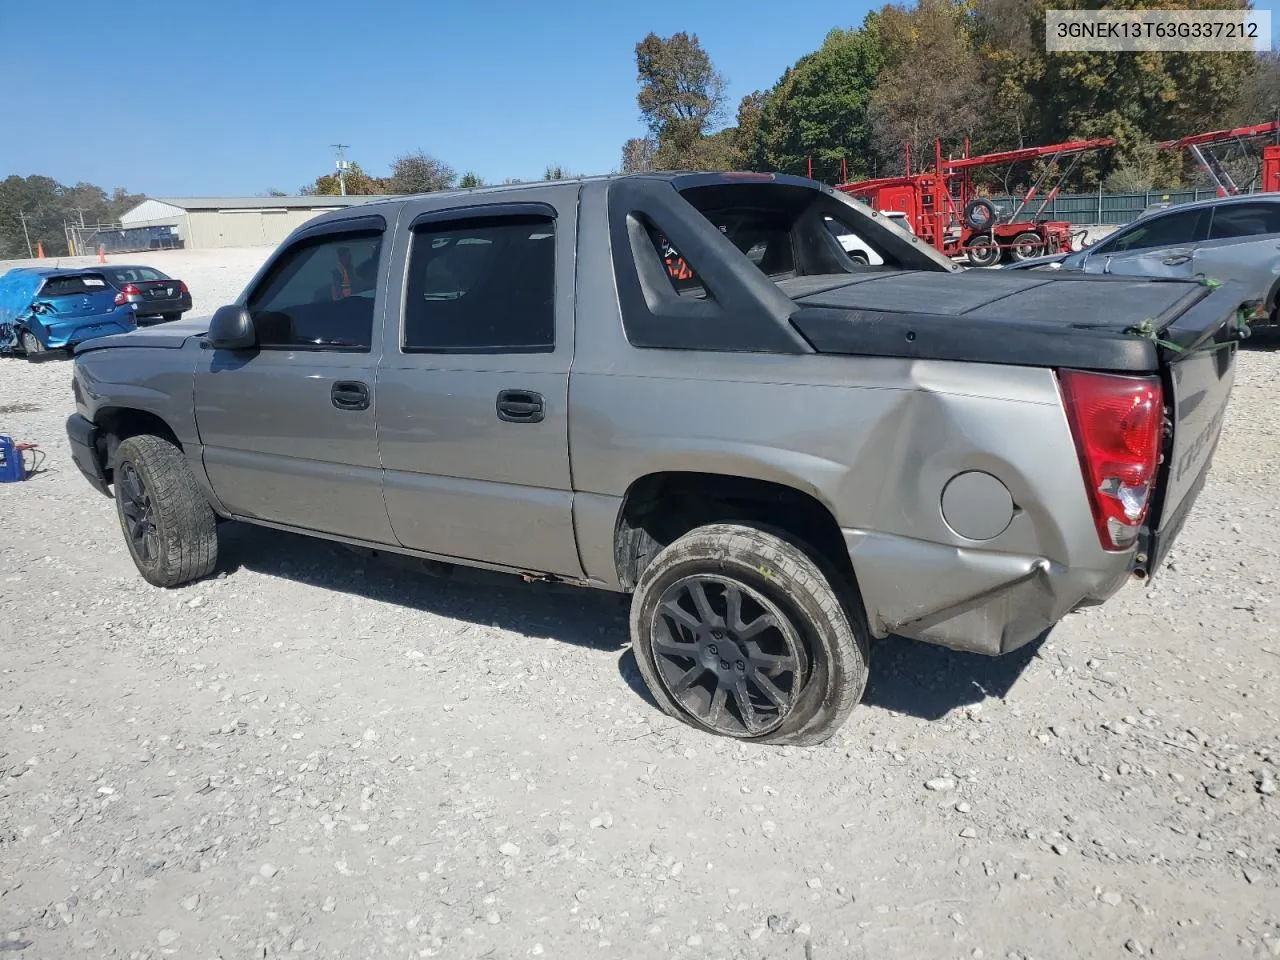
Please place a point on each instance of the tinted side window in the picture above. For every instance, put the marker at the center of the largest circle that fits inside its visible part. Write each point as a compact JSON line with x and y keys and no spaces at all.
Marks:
{"x":320,"y":295}
{"x":482,"y":286}
{"x":1160,"y":232}
{"x":1245,"y":220}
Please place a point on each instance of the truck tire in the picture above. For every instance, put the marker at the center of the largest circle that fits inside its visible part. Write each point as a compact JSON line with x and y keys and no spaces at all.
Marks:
{"x":168,"y":524}
{"x":1026,"y":246}
{"x":738,"y":631}
{"x":979,"y":214}
{"x":983,"y":251}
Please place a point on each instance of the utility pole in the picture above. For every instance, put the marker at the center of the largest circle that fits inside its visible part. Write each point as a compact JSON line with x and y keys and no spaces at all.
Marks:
{"x":23,"y":217}
{"x":342,"y":166}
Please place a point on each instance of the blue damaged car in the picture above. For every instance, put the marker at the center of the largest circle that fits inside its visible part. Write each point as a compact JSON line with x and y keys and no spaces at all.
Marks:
{"x":45,"y":308}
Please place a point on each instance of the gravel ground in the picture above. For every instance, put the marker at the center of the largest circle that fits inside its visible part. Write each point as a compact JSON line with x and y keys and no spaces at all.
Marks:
{"x":319,"y":756}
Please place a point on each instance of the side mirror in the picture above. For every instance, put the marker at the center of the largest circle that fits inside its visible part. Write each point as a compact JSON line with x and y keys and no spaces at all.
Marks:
{"x":39,"y":307}
{"x":231,"y":329}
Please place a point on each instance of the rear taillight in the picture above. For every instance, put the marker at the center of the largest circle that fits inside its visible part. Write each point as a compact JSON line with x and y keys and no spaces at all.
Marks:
{"x":128,"y":290}
{"x":1117,"y":424}
{"x":182,"y":287}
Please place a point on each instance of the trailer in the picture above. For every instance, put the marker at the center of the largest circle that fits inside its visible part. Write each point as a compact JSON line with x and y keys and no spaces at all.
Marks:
{"x":1204,"y":148}
{"x":945,"y":209}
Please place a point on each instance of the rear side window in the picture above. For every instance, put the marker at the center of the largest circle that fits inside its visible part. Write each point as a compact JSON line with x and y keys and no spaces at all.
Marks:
{"x":1242,"y":220}
{"x":320,"y":295}
{"x":75,"y":286}
{"x":482,"y":286}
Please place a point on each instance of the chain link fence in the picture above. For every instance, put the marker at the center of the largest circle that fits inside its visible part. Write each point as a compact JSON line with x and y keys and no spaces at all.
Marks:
{"x":86,"y":241}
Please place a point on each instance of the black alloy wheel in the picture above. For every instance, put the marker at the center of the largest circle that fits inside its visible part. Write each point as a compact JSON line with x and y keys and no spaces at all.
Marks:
{"x":728,"y":655}
{"x":138,"y":510}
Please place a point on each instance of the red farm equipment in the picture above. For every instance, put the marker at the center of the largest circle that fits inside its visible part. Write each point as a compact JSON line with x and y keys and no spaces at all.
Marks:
{"x":1204,"y":147}
{"x":945,"y":210}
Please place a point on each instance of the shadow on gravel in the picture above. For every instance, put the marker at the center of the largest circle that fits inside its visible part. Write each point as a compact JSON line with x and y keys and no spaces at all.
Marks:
{"x":1263,"y":340}
{"x":928,"y":682}
{"x":906,"y":676}
{"x":585,"y":617}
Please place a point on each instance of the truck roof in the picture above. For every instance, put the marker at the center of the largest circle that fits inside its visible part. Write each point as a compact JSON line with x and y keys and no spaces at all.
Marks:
{"x":686,"y":178}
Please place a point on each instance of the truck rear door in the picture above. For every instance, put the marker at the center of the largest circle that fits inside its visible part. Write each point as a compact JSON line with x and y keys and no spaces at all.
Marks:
{"x":473,"y":386}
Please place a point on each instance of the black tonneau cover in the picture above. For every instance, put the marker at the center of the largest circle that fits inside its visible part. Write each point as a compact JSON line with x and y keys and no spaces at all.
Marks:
{"x":988,"y":316}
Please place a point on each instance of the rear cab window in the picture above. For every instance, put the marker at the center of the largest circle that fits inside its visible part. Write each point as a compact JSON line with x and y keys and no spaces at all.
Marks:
{"x":76,"y":285}
{"x":785,"y":231}
{"x":122,"y":275}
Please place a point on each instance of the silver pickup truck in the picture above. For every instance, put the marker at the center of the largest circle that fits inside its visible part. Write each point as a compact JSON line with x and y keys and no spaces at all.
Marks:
{"x":681,"y":387}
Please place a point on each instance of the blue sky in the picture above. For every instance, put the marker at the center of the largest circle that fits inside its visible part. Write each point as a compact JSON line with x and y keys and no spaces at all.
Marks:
{"x":235,"y":97}
{"x":182,"y":97}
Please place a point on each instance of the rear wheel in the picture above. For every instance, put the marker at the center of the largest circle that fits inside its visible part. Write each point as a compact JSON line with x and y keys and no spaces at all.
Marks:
{"x":32,"y":346}
{"x":167,"y":522}
{"x":860,"y":259}
{"x":983,"y":252}
{"x":168,"y":317}
{"x":1026,"y":246}
{"x":740,"y":632}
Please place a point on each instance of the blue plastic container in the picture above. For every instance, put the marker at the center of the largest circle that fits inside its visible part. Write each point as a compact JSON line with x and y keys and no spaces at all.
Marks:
{"x":12,"y":468}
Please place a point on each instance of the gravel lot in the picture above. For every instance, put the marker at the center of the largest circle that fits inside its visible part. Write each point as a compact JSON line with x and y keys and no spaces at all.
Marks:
{"x":319,"y":756}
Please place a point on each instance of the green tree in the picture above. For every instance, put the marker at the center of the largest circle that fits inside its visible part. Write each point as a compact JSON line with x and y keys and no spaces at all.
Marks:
{"x":359,"y":183}
{"x":818,"y":109}
{"x":639,"y":154}
{"x":914,"y":102}
{"x":1136,"y":98}
{"x":419,"y":172}
{"x":681,"y":96}
{"x":747,"y":133}
{"x":470,"y":180}
{"x":555,"y":171}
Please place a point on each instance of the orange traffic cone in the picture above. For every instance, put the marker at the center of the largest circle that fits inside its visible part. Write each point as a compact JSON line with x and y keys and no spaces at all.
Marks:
{"x":102,"y":254}
{"x":39,"y":250}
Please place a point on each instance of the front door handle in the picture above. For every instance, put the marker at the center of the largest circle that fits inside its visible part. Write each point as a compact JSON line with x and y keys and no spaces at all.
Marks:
{"x":520,"y":406}
{"x":350,"y":395}
{"x":1177,"y":260}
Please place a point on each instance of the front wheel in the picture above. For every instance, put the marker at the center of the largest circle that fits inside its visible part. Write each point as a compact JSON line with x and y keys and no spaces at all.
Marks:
{"x":32,"y":346}
{"x":738,"y":631}
{"x":167,"y":522}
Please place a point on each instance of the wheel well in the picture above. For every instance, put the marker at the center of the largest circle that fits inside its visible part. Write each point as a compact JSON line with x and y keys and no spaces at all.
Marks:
{"x":661,"y":507}
{"x":117,"y":424}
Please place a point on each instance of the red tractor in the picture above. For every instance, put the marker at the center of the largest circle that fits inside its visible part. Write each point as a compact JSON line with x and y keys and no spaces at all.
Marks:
{"x":946,"y":211}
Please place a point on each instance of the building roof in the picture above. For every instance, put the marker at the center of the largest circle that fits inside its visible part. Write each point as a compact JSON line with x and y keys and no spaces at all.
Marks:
{"x":266,"y":203}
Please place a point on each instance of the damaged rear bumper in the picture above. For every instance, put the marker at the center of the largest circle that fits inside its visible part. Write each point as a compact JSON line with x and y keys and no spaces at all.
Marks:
{"x":976,"y":600}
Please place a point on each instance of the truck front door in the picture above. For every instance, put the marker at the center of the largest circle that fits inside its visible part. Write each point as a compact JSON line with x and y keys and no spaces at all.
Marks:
{"x":474,"y":382}
{"x":288,"y":426}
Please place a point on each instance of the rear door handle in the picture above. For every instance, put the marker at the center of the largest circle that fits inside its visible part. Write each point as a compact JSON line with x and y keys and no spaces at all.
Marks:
{"x":350,"y":395}
{"x":520,"y":406}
